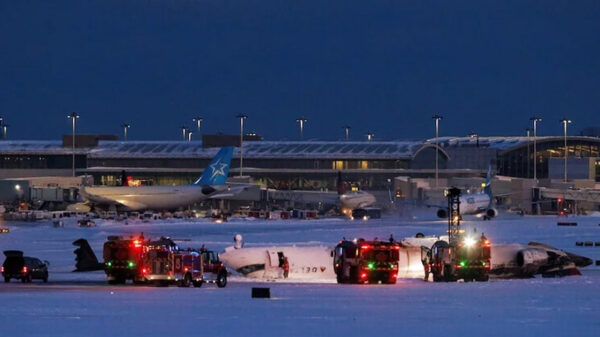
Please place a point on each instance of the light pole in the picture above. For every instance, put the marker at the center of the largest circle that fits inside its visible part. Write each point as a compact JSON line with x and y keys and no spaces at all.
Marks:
{"x":183,"y":131}
{"x":242,"y":117}
{"x":4,"y":127}
{"x":347,"y":129}
{"x":190,"y":136}
{"x":1,"y":120}
{"x":535,"y":119}
{"x":528,"y":130}
{"x":565,"y":121}
{"x":198,"y":121}
{"x":301,"y":121}
{"x":437,"y":119}
{"x":474,"y":135}
{"x":370,"y":136}
{"x":125,"y":126}
{"x":73,"y":116}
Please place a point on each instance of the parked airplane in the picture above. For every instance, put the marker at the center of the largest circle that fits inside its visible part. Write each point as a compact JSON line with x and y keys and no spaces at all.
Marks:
{"x":210,"y":185}
{"x":353,"y":199}
{"x":475,"y":203}
{"x":316,"y":263}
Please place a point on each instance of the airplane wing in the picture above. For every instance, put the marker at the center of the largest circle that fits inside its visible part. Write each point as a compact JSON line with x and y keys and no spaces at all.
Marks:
{"x":232,"y":192}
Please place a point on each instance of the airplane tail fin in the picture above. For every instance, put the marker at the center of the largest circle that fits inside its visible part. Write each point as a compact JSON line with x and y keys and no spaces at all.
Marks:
{"x":487,"y":188}
{"x":340,"y":184}
{"x":216,"y":172}
{"x":85,"y":259}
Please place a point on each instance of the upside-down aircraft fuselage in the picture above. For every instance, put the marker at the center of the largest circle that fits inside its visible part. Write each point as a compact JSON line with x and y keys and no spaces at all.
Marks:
{"x":316,"y":263}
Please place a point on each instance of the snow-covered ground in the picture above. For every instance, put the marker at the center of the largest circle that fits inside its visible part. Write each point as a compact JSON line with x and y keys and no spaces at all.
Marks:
{"x":83,"y":304}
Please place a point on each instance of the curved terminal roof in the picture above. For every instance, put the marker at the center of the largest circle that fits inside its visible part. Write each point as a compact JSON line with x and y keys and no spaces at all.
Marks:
{"x":275,"y":149}
{"x":48,"y":147}
{"x":503,"y":143}
{"x":252,"y":149}
{"x":260,"y":149}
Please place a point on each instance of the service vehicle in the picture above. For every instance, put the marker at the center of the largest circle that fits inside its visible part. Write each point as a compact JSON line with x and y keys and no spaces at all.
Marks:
{"x":214,"y":269}
{"x":86,"y":223}
{"x":366,"y":213}
{"x":361,"y":261}
{"x":23,"y":268}
{"x":468,"y":259}
{"x":123,"y":259}
{"x":158,"y":262}
{"x":464,"y":256}
{"x":163,"y":267}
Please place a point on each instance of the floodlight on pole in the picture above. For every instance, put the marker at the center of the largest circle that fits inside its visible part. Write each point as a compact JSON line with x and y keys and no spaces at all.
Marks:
{"x":437,"y":119}
{"x":370,"y":136}
{"x":198,"y":121}
{"x":242,"y":117}
{"x":4,"y":127}
{"x":184,"y":132}
{"x":347,"y":130}
{"x":565,"y":121}
{"x":190,"y":136}
{"x":301,"y":122}
{"x":73,"y":116}
{"x":535,"y":120}
{"x":125,"y":126}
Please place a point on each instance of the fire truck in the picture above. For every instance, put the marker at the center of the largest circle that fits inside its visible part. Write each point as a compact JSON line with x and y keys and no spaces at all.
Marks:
{"x":164,"y":264}
{"x":159,"y":262}
{"x":360,"y":261}
{"x":463,"y":256}
{"x":123,"y":259}
{"x":469,"y":259}
{"x":214,"y":269}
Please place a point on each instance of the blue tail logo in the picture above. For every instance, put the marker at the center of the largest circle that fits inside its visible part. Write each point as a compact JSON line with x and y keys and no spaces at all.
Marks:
{"x":487,"y":189}
{"x":216,"y":172}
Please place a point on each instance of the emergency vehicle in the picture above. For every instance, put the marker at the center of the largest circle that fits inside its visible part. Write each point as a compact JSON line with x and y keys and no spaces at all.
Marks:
{"x":361,"y":261}
{"x":469,"y":259}
{"x":164,"y":264}
{"x":123,"y":259}
{"x":463,"y":256}
{"x":214,"y":269}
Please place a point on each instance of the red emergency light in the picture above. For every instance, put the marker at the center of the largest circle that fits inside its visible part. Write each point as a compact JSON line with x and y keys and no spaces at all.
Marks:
{"x":144,"y":270}
{"x":365,"y":247}
{"x":137,"y":243}
{"x":24,"y":269}
{"x":363,"y":275}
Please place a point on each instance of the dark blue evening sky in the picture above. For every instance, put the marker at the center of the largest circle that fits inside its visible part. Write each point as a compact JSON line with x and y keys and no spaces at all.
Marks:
{"x":381,"y":66}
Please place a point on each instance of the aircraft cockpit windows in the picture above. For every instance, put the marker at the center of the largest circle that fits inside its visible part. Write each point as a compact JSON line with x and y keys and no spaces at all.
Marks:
{"x":470,"y":200}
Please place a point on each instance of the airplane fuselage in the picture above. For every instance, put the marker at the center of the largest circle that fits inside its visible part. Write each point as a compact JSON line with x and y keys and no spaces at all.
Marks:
{"x":148,"y":197}
{"x":474,"y":203}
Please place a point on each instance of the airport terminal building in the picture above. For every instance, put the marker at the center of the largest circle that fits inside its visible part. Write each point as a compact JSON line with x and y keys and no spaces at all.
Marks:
{"x":297,"y":164}
{"x":401,"y":169}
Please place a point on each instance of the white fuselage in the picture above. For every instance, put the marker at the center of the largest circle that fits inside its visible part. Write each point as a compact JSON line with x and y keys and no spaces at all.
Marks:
{"x":146,"y":197}
{"x":305,"y":262}
{"x":358,"y":199}
{"x":474,"y":203}
{"x":316,"y":263}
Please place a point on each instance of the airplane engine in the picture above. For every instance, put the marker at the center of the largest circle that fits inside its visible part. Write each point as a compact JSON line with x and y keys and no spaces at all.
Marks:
{"x":531,"y":259}
{"x":442,"y":213}
{"x":491,"y":212}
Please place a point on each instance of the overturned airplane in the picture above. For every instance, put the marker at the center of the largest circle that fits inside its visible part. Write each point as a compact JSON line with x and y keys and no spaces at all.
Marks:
{"x":316,"y":263}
